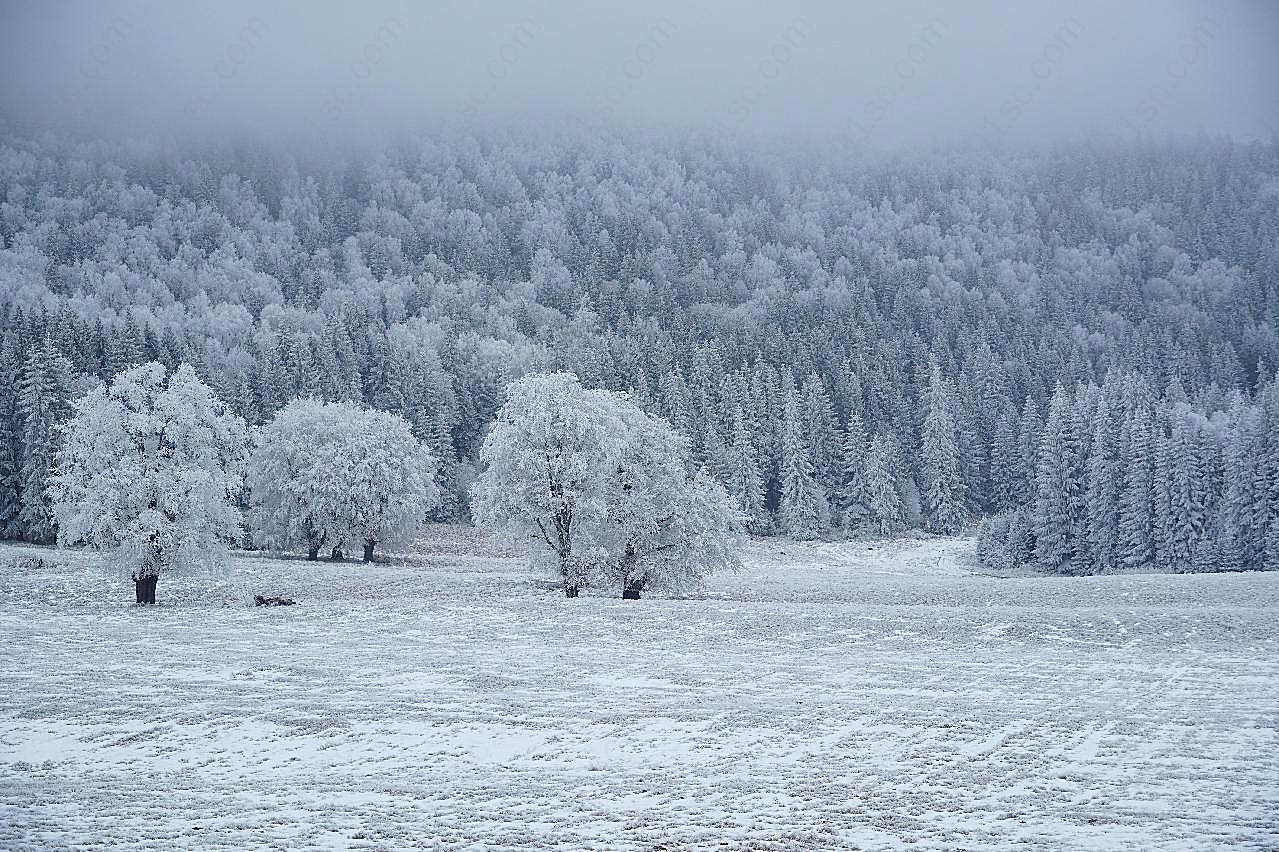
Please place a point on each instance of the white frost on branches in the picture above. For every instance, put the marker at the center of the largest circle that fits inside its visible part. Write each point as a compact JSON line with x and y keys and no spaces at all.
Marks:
{"x":149,"y":469}
{"x":335,"y":474}
{"x":595,"y":489}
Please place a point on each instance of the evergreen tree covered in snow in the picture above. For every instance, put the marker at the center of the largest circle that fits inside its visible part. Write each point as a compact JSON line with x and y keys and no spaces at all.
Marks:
{"x":943,"y":488}
{"x":854,"y":491}
{"x":44,"y":399}
{"x":10,"y":447}
{"x":742,"y":477}
{"x":885,"y":512}
{"x":804,"y":510}
{"x":1059,"y":503}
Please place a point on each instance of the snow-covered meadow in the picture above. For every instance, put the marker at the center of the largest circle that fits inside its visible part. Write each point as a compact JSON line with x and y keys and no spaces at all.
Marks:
{"x":829,"y":696}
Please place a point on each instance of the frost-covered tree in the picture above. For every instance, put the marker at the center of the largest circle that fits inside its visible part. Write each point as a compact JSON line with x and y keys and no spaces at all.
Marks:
{"x":943,"y":487}
{"x":150,"y":470}
{"x":1104,"y":480}
{"x":804,"y":511}
{"x":1135,"y":522}
{"x":742,"y":475}
{"x":668,"y":528}
{"x":1058,"y":503}
{"x":10,"y":447}
{"x":885,"y":512}
{"x":44,"y":403}
{"x":549,"y":460}
{"x":820,"y":427}
{"x":854,"y":491}
{"x":596,"y":489}
{"x":296,"y":497}
{"x":334,"y":473}
{"x":390,"y":478}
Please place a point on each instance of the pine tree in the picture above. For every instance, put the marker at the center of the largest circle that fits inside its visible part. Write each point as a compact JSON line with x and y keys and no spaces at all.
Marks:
{"x":1104,"y":483}
{"x":10,"y":480}
{"x":1029,"y":428}
{"x":10,"y":448}
{"x":943,"y":488}
{"x":819,"y":422}
{"x":1005,"y":458}
{"x":44,"y":403}
{"x":854,"y":492}
{"x":126,"y":346}
{"x":885,"y":513}
{"x":1058,"y":501}
{"x":1161,"y":488}
{"x":1268,"y":478}
{"x":804,"y":511}
{"x":1191,"y":492}
{"x":1135,"y":546}
{"x":1235,"y":514}
{"x":742,"y":477}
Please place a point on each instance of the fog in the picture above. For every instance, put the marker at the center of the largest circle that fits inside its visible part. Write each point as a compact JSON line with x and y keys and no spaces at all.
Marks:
{"x":877,"y":75}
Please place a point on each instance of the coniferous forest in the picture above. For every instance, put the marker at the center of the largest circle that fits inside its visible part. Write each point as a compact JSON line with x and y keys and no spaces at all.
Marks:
{"x":1070,"y":350}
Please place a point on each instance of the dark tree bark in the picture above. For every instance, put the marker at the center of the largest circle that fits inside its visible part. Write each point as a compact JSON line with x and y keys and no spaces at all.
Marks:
{"x":313,"y":554}
{"x":144,"y":589}
{"x":368,"y":549}
{"x":631,"y":591}
{"x":336,"y":554}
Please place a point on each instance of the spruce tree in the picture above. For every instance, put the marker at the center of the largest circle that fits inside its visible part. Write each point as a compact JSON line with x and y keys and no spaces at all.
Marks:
{"x":854,"y":492}
{"x":1104,"y":482}
{"x":1058,"y":501}
{"x":943,"y":488}
{"x":804,"y":511}
{"x":1135,"y":545}
{"x":1268,"y":478}
{"x":44,"y":403}
{"x":742,"y":476}
{"x":1028,"y":430}
{"x":819,"y":421}
{"x":885,"y":512}
{"x":10,"y":447}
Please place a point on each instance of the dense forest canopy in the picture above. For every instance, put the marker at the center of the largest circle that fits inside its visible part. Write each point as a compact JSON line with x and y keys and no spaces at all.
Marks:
{"x":763,"y":302}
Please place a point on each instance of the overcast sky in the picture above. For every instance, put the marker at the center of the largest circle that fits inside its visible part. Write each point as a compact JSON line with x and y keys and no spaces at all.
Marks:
{"x":879,"y":74}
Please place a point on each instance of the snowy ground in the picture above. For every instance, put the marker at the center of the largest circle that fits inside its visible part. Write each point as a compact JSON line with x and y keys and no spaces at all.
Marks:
{"x":829,"y":697}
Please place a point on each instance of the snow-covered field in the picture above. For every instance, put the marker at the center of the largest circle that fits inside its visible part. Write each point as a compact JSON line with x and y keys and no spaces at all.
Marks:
{"x":831,"y":696}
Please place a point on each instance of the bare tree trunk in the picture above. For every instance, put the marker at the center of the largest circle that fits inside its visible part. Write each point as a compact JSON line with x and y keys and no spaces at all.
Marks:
{"x":631,"y":590}
{"x":313,"y":554}
{"x":144,"y":588}
{"x":336,"y":554}
{"x":368,"y":549}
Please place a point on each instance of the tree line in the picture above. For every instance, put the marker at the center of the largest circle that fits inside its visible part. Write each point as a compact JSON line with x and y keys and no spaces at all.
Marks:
{"x":850,"y":346}
{"x":1128,"y":478}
